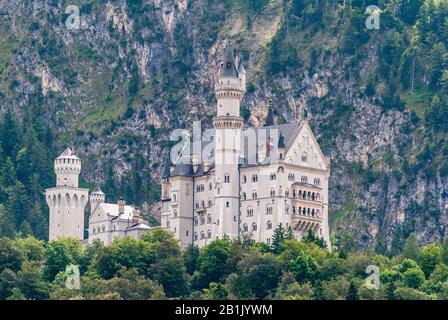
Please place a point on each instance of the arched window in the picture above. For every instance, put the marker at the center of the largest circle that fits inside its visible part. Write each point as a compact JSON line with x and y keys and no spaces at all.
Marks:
{"x":254,"y":226}
{"x":291,"y":177}
{"x":209,"y":219}
{"x":197,"y":205}
{"x":313,"y":196}
{"x":202,"y":235}
{"x":272,"y":193}
{"x":312,"y":213}
{"x":245,"y":227}
{"x":308,"y":212}
{"x":254,"y":195}
{"x":304,"y":179}
{"x":187,"y":233}
{"x":317,"y":181}
{"x":244,"y":195}
{"x":272,"y":176}
{"x":317,"y":197}
{"x":304,"y":157}
{"x":174,"y":197}
{"x":287,"y":193}
{"x":268,"y":225}
{"x":244,"y":178}
{"x":202,"y":220}
{"x":209,"y":234}
{"x":269,"y":209}
{"x":299,"y":210}
{"x":250,"y":212}
{"x":286,"y":209}
{"x":226,"y":178}
{"x":195,"y":236}
{"x":317,"y":213}
{"x":293,"y":209}
{"x":210,"y":187}
{"x":195,"y":221}
{"x":254,"y":178}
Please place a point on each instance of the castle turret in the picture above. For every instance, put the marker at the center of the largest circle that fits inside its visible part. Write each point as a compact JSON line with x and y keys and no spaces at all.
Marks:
{"x":66,"y":201}
{"x":96,"y":197}
{"x":228,"y":124}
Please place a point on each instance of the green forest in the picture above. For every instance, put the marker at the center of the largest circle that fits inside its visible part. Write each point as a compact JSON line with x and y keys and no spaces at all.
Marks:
{"x":155,"y":267}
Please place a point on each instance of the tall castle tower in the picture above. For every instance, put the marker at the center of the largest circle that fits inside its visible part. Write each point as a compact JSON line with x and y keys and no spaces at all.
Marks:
{"x":66,"y":201}
{"x":229,"y":90}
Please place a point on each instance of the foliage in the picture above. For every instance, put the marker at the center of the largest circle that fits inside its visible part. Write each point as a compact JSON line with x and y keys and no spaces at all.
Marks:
{"x":155,"y":267}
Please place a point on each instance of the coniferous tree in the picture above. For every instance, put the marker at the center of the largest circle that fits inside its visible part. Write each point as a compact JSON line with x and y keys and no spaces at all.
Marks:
{"x":412,"y":248}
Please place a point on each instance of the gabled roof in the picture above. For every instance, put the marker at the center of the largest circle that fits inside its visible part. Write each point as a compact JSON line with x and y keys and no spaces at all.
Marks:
{"x":112,"y":210}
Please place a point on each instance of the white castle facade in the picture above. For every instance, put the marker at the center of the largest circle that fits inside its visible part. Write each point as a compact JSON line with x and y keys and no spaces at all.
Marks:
{"x":67,"y":203}
{"x":246,"y":190}
{"x":249,"y":183}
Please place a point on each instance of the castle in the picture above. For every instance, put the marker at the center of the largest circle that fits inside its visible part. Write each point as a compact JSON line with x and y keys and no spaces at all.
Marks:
{"x":67,"y":204}
{"x":243,"y":185}
{"x":252,"y":181}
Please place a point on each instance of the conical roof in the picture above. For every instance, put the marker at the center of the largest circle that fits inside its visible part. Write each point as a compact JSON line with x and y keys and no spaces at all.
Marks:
{"x":68,"y":153}
{"x":270,"y":120}
{"x":166,"y":168}
{"x":229,"y":68}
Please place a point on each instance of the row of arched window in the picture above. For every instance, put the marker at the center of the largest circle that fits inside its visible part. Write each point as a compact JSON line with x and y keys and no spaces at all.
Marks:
{"x":202,"y":219}
{"x":306,"y":211}
{"x":202,"y":205}
{"x":100,"y":229}
{"x":307,"y":195}
{"x":66,"y":200}
{"x":254,"y":226}
{"x":203,"y":235}
{"x":254,"y":178}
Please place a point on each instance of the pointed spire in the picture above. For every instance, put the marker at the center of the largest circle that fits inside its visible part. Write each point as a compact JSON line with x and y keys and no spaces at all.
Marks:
{"x":241,"y":69}
{"x":270,"y":120}
{"x":281,"y":141}
{"x":98,"y":190}
{"x":228,"y":69}
{"x":166,"y":168}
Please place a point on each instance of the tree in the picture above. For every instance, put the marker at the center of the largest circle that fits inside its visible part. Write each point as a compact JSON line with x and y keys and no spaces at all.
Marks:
{"x":445,"y":251}
{"x":171,"y":274}
{"x":312,"y":238}
{"x":59,"y":254}
{"x":262,"y":273}
{"x":8,"y":281}
{"x":413,"y":278}
{"x":124,"y":253}
{"x":216,"y":291}
{"x":32,"y":248}
{"x":10,"y":255}
{"x":280,"y":236}
{"x":191,"y":255}
{"x":431,"y":256}
{"x":412,"y":249}
{"x":31,"y":281}
{"x":352,"y":292}
{"x":212,"y":263}
{"x":304,"y":268}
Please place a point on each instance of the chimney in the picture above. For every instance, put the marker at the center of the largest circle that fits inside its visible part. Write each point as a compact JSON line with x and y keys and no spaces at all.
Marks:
{"x":207,"y":164}
{"x":135,"y":216}
{"x":121,"y":204}
{"x":195,"y":162}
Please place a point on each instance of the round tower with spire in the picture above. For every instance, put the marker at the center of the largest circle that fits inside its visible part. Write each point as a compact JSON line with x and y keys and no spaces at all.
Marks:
{"x":66,"y":201}
{"x":228,"y":125}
